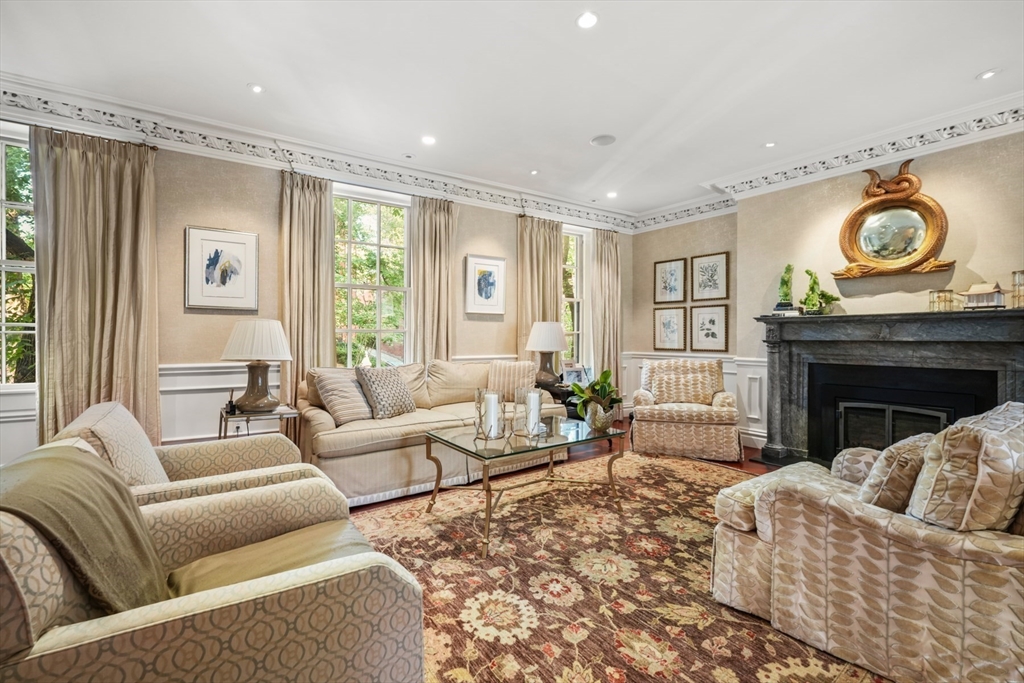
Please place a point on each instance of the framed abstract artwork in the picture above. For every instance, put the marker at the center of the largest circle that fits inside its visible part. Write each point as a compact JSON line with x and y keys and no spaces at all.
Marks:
{"x":670,"y":281}
{"x":670,"y":329}
{"x":485,"y":285}
{"x":221,"y":269}
{"x":709,"y":328}
{"x":710,"y":275}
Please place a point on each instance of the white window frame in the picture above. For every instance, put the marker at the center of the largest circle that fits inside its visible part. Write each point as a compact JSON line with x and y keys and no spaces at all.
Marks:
{"x":13,"y":135}
{"x":582,"y":259}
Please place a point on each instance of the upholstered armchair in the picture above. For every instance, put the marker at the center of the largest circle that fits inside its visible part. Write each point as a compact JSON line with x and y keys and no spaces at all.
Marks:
{"x":682,"y":408}
{"x":194,"y":469}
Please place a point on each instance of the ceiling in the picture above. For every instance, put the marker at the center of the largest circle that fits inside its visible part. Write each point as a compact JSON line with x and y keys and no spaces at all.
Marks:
{"x":692,"y":90}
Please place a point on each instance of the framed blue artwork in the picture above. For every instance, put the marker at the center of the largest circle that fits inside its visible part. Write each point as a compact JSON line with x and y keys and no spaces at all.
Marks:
{"x":485,"y":285}
{"x":221,"y":269}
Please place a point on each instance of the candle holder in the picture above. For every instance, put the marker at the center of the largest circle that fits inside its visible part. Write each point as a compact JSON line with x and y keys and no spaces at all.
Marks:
{"x":1017,"y":297}
{"x":941,"y":300}
{"x":491,"y":427}
{"x":526,"y":416}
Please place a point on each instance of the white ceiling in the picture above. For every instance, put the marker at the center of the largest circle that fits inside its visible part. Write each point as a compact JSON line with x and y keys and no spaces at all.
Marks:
{"x":692,"y":90}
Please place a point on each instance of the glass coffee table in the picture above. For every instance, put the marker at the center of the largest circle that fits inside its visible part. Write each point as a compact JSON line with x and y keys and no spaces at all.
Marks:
{"x":561,"y":433}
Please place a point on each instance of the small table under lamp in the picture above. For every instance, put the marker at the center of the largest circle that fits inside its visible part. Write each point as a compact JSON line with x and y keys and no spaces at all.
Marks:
{"x":548,"y":339}
{"x":257,"y":340}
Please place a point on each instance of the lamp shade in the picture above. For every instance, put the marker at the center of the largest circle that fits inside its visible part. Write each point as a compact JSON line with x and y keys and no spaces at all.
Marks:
{"x":547,"y":337}
{"x":257,"y":339}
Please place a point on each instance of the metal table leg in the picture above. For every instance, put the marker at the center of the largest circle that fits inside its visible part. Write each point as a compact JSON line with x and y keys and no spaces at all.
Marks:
{"x":487,"y":511}
{"x":611,"y":476}
{"x":437,"y":481}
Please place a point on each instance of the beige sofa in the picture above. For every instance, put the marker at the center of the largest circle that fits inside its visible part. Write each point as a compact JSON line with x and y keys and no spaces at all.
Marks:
{"x":905,"y":596}
{"x":375,"y":460}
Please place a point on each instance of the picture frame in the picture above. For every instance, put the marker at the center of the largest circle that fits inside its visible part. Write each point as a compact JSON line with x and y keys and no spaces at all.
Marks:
{"x":221,"y":269}
{"x":709,"y":275}
{"x":485,"y":285}
{"x":670,"y":281}
{"x":709,"y":328}
{"x":574,"y":375}
{"x":670,"y":329}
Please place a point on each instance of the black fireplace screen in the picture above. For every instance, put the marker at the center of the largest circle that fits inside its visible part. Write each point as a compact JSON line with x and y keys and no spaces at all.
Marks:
{"x":878,"y":425}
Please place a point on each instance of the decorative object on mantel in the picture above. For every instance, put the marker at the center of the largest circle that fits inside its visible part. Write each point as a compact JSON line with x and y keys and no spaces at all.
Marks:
{"x":221,"y":269}
{"x":785,"y":305}
{"x":597,"y":402}
{"x":670,"y":281}
{"x":817,"y":301}
{"x":1017,"y":298}
{"x":984,"y":296}
{"x":257,"y":340}
{"x":710,"y":274}
{"x":670,"y":329}
{"x":941,"y":301}
{"x":485,"y":285}
{"x":709,"y":328}
{"x":896,"y":229}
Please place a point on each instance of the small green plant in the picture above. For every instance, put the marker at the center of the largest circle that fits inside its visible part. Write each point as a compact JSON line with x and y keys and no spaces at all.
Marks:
{"x":816,"y":300}
{"x":600,"y":391}
{"x":786,"y":285}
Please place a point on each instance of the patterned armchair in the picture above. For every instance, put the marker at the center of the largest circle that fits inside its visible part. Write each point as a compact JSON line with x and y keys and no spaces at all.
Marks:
{"x":682,"y":408}
{"x":194,"y":469}
{"x":354,"y":618}
{"x":908,"y":562}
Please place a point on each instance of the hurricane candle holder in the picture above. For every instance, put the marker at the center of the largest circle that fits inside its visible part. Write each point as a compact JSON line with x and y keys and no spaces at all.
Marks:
{"x":491,"y":422}
{"x":940,"y":300}
{"x":1017,"y":297}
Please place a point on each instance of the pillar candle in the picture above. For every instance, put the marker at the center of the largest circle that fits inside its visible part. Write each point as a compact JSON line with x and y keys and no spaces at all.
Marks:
{"x":533,"y":412}
{"x":492,"y":415}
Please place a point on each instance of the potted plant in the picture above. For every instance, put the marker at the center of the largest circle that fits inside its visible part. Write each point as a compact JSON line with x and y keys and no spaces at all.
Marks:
{"x":597,"y":402}
{"x":817,"y":301}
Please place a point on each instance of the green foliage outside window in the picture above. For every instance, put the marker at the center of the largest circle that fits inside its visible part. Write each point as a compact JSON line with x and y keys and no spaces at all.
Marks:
{"x":17,"y":321}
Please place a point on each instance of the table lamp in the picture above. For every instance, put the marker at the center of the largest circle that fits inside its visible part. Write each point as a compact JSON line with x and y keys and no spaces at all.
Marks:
{"x":548,"y":339}
{"x":257,"y":340}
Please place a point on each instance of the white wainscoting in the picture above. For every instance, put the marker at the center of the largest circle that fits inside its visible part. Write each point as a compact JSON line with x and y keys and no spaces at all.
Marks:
{"x":483,"y":359}
{"x":745,"y":377}
{"x":18,"y":433}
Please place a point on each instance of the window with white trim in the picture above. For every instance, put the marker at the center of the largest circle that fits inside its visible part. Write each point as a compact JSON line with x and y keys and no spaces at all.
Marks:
{"x":17,"y":267}
{"x":572,"y":296}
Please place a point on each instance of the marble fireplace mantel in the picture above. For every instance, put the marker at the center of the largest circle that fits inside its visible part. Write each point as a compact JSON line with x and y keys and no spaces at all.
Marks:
{"x":981,"y":340}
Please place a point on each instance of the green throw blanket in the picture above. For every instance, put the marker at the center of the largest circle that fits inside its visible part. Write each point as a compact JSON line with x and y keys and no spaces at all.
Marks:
{"x":80,"y":505}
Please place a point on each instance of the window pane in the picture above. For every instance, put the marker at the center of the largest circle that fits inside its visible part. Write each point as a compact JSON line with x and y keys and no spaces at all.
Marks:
{"x":569,"y":250}
{"x":364,"y":349}
{"x":392,"y":312}
{"x":21,"y":234}
{"x":19,"y":357}
{"x":19,"y":175}
{"x":340,"y":218}
{"x":392,"y":267}
{"x":569,"y":283}
{"x":341,"y":351}
{"x":364,"y":222}
{"x":341,"y":308}
{"x":392,"y":225}
{"x":364,"y":309}
{"x":570,"y":353}
{"x":571,"y":316}
{"x":364,"y":265}
{"x":19,"y":297}
{"x":392,"y":350}
{"x":340,"y":262}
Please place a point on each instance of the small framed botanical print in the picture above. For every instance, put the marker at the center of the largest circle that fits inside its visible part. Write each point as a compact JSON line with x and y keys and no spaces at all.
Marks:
{"x":221,"y":269}
{"x":670,"y":281}
{"x":710,"y":275}
{"x":670,"y":329}
{"x":709,"y":328}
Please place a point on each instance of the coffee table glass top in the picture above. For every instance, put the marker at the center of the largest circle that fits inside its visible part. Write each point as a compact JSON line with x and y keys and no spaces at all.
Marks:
{"x":560,"y":433}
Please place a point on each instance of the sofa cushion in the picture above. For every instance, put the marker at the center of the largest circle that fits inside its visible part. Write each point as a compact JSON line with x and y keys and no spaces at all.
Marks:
{"x":386,"y":392}
{"x":973,"y":473}
{"x":506,"y":376}
{"x":686,"y":412}
{"x":415,"y":376}
{"x":854,"y":464}
{"x":455,"y":382}
{"x":894,"y":473}
{"x":369,"y":436}
{"x":341,"y":394}
{"x":312,"y":395}
{"x":685,"y":381}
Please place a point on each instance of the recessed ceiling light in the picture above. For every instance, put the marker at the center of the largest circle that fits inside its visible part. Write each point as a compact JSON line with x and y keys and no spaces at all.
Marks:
{"x":613,"y":195}
{"x":602,"y":140}
{"x":985,"y":75}
{"x":533,"y":172}
{"x":255,"y":87}
{"x":408,"y":155}
{"x":769,"y":144}
{"x":586,"y":20}
{"x":428,"y":140}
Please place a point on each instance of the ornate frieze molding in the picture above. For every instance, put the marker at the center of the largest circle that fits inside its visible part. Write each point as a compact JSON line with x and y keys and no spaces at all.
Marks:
{"x":686,"y":214}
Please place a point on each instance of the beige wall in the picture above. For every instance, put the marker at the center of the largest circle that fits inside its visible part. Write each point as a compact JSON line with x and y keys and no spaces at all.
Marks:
{"x":980,"y":186}
{"x":195,"y":190}
{"x":707,"y":236}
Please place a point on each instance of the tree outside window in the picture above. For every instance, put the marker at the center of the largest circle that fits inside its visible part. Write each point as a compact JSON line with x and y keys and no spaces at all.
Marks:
{"x":572,"y":299}
{"x":17,"y":268}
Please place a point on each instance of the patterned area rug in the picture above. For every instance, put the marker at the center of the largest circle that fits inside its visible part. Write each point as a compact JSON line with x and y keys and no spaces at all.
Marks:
{"x":573,"y":592}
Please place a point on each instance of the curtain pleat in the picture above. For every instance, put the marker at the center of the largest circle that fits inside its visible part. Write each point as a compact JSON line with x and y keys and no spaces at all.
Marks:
{"x":540,"y":277}
{"x":433,"y":223}
{"x":95,"y":207}
{"x":606,"y":304}
{"x":307,"y":308}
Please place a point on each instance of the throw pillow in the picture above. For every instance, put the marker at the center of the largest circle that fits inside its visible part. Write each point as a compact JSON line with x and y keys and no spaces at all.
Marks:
{"x":415,"y":376}
{"x":342,"y":395}
{"x":455,"y":382}
{"x":681,"y":388}
{"x":894,"y":473}
{"x":506,"y":376}
{"x":386,"y":391}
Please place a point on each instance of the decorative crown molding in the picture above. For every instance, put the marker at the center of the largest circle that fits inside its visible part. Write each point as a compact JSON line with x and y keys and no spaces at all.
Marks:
{"x":686,"y":213}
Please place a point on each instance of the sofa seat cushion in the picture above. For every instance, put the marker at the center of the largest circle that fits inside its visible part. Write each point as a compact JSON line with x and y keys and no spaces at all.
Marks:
{"x":465,"y":412}
{"x":735,"y":505}
{"x":294,"y":550}
{"x":686,"y":412}
{"x":368,"y":436}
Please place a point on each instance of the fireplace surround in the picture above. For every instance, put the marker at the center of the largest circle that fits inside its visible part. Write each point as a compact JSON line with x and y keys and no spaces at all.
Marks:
{"x":960,"y":362}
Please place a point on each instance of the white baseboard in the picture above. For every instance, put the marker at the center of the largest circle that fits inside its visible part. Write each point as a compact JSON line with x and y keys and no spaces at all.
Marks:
{"x":753,"y":438}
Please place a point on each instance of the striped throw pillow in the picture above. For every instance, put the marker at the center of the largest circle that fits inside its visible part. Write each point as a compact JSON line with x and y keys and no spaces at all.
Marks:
{"x":342,"y":395}
{"x":507,"y":376}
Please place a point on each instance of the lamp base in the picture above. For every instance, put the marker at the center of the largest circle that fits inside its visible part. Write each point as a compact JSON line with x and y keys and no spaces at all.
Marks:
{"x":546,"y":372}
{"x":257,"y":397}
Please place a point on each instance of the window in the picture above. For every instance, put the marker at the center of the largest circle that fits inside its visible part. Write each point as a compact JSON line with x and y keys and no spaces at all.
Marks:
{"x":17,"y":268}
{"x":572,"y":299}
{"x":371,"y":283}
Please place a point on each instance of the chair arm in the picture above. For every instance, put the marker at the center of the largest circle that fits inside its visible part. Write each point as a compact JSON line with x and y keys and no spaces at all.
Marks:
{"x":642,"y":397}
{"x":854,"y":464}
{"x":222,"y":483}
{"x":723,"y":399}
{"x":207,"y":458}
{"x":360,"y":617}
{"x":186,"y":530}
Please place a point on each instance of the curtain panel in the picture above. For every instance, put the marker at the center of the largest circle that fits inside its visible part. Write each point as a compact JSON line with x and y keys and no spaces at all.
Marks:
{"x":606,"y":309}
{"x":540,"y":277}
{"x":95,"y":207}
{"x":433,"y":224}
{"x":307,"y":299}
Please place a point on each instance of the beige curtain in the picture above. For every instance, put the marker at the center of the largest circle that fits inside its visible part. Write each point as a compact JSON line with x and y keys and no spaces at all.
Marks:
{"x":95,"y":206}
{"x":432,"y":233}
{"x":307,"y":299}
{"x":606,"y":303}
{"x":540,"y":276}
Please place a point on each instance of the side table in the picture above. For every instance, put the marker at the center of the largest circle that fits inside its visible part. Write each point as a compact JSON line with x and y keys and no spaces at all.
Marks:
{"x":280,"y":414}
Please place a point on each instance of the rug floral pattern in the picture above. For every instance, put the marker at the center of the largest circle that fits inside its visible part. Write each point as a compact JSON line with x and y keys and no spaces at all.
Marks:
{"x":574,"y":592}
